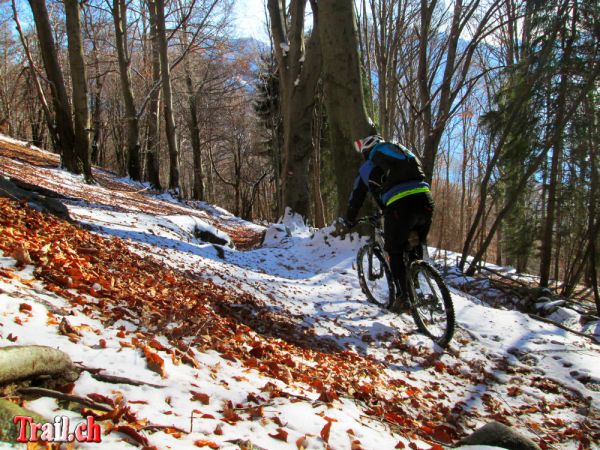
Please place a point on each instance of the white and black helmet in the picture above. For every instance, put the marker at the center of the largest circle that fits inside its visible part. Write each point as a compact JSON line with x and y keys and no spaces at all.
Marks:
{"x":366,"y":144}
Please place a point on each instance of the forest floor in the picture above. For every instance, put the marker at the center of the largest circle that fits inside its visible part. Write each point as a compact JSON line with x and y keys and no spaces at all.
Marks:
{"x":268,"y":345}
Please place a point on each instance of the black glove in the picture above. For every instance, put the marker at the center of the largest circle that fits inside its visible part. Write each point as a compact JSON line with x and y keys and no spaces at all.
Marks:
{"x":347,"y":223}
{"x":341,"y":227}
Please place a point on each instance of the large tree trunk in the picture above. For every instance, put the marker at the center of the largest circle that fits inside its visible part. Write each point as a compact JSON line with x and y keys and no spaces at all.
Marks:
{"x":344,"y":99}
{"x":153,"y":138}
{"x":170,"y":127}
{"x":134,"y":167}
{"x":60,"y":99}
{"x":299,"y":71}
{"x":81,"y":111}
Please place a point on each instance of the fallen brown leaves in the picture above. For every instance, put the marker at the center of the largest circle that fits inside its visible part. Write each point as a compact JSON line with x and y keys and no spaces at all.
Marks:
{"x":39,"y":170}
{"x":175,"y":305}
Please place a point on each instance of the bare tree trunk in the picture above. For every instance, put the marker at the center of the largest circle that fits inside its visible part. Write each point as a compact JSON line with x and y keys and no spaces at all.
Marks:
{"x":594,"y":193}
{"x":60,"y":100}
{"x":153,"y":138}
{"x":453,"y":86}
{"x":97,"y":120}
{"x":318,"y":207}
{"x":299,"y":70}
{"x":134,"y":166}
{"x":167,"y":96}
{"x":348,"y":119}
{"x":81,"y":111}
{"x":198,"y":183}
{"x":96,"y":108}
{"x":594,"y":270}
{"x":193,"y":123}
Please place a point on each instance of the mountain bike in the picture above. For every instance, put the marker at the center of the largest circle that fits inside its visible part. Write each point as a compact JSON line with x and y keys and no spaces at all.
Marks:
{"x":428,"y":296}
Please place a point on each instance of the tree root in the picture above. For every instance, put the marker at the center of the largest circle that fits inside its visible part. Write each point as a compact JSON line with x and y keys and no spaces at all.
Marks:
{"x":41,"y":392}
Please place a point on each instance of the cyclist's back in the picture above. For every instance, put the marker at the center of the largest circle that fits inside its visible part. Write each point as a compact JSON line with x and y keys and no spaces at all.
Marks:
{"x":394,"y":177}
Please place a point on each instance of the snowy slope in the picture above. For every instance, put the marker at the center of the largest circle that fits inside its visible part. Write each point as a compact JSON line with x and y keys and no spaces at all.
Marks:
{"x":300,"y":291}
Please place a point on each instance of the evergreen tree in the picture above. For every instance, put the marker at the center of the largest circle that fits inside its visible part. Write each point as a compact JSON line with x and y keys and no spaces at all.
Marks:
{"x":267,"y":107}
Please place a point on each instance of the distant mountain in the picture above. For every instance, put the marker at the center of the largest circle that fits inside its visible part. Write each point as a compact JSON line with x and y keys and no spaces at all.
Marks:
{"x":249,"y":45}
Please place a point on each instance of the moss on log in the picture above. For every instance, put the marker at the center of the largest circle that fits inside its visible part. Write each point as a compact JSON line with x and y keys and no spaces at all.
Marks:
{"x":8,"y":430}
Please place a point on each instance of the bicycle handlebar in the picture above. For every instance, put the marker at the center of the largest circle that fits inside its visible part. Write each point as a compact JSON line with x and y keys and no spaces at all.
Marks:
{"x":372,"y":220}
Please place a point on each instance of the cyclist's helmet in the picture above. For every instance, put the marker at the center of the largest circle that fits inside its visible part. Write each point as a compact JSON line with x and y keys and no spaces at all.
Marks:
{"x":364,"y":146}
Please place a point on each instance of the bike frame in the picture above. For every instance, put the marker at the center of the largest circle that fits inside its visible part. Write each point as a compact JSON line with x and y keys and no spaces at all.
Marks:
{"x":376,"y":239}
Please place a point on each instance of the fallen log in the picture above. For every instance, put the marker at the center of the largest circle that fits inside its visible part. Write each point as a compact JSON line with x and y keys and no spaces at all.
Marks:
{"x":30,"y":361}
{"x":22,"y":191}
{"x":8,"y":411}
{"x":563,"y":327}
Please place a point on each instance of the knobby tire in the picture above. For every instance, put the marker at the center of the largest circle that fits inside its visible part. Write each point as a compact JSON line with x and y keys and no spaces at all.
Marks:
{"x":362,"y":262}
{"x":432,"y":274}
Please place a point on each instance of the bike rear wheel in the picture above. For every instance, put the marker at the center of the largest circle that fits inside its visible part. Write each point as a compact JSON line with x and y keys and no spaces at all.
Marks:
{"x":374,"y":275}
{"x":431,"y":304}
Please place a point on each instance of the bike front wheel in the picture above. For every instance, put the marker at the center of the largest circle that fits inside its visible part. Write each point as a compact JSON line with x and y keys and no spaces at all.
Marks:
{"x":374,"y":276}
{"x":431,"y":303}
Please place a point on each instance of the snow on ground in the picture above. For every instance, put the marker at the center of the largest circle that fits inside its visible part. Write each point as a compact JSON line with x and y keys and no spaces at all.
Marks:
{"x":500,"y":363}
{"x":170,"y":405}
{"x":311,"y":277}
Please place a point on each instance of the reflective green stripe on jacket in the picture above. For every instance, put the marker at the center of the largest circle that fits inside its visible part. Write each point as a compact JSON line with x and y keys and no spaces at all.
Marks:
{"x":405,"y":194}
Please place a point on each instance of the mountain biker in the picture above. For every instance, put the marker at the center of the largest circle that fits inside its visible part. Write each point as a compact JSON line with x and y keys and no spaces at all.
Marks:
{"x":394,"y":177}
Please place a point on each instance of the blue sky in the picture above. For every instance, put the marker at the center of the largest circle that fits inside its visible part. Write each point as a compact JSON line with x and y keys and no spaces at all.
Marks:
{"x":250,"y":19}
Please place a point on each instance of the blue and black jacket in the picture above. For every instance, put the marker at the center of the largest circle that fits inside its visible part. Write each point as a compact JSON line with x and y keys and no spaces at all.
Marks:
{"x":391,"y":172}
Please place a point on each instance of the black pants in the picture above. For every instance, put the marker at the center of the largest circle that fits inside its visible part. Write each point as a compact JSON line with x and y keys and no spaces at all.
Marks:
{"x":413,"y":212}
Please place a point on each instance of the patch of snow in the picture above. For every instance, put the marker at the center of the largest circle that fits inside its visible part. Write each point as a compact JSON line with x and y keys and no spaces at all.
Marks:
{"x":295,"y":223}
{"x":565,"y":316}
{"x":192,"y":226}
{"x":275,"y":234}
{"x":545,"y":304}
{"x":23,"y":143}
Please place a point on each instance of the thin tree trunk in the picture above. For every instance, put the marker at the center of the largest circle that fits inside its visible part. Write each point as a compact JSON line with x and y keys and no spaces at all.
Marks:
{"x":198,"y":183}
{"x":134,"y":166}
{"x":318,"y":208}
{"x":194,"y":127}
{"x":170,"y":127}
{"x":557,"y":146}
{"x":153,"y":138}
{"x":594,"y":193}
{"x":36,"y":82}
{"x":97,"y":122}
